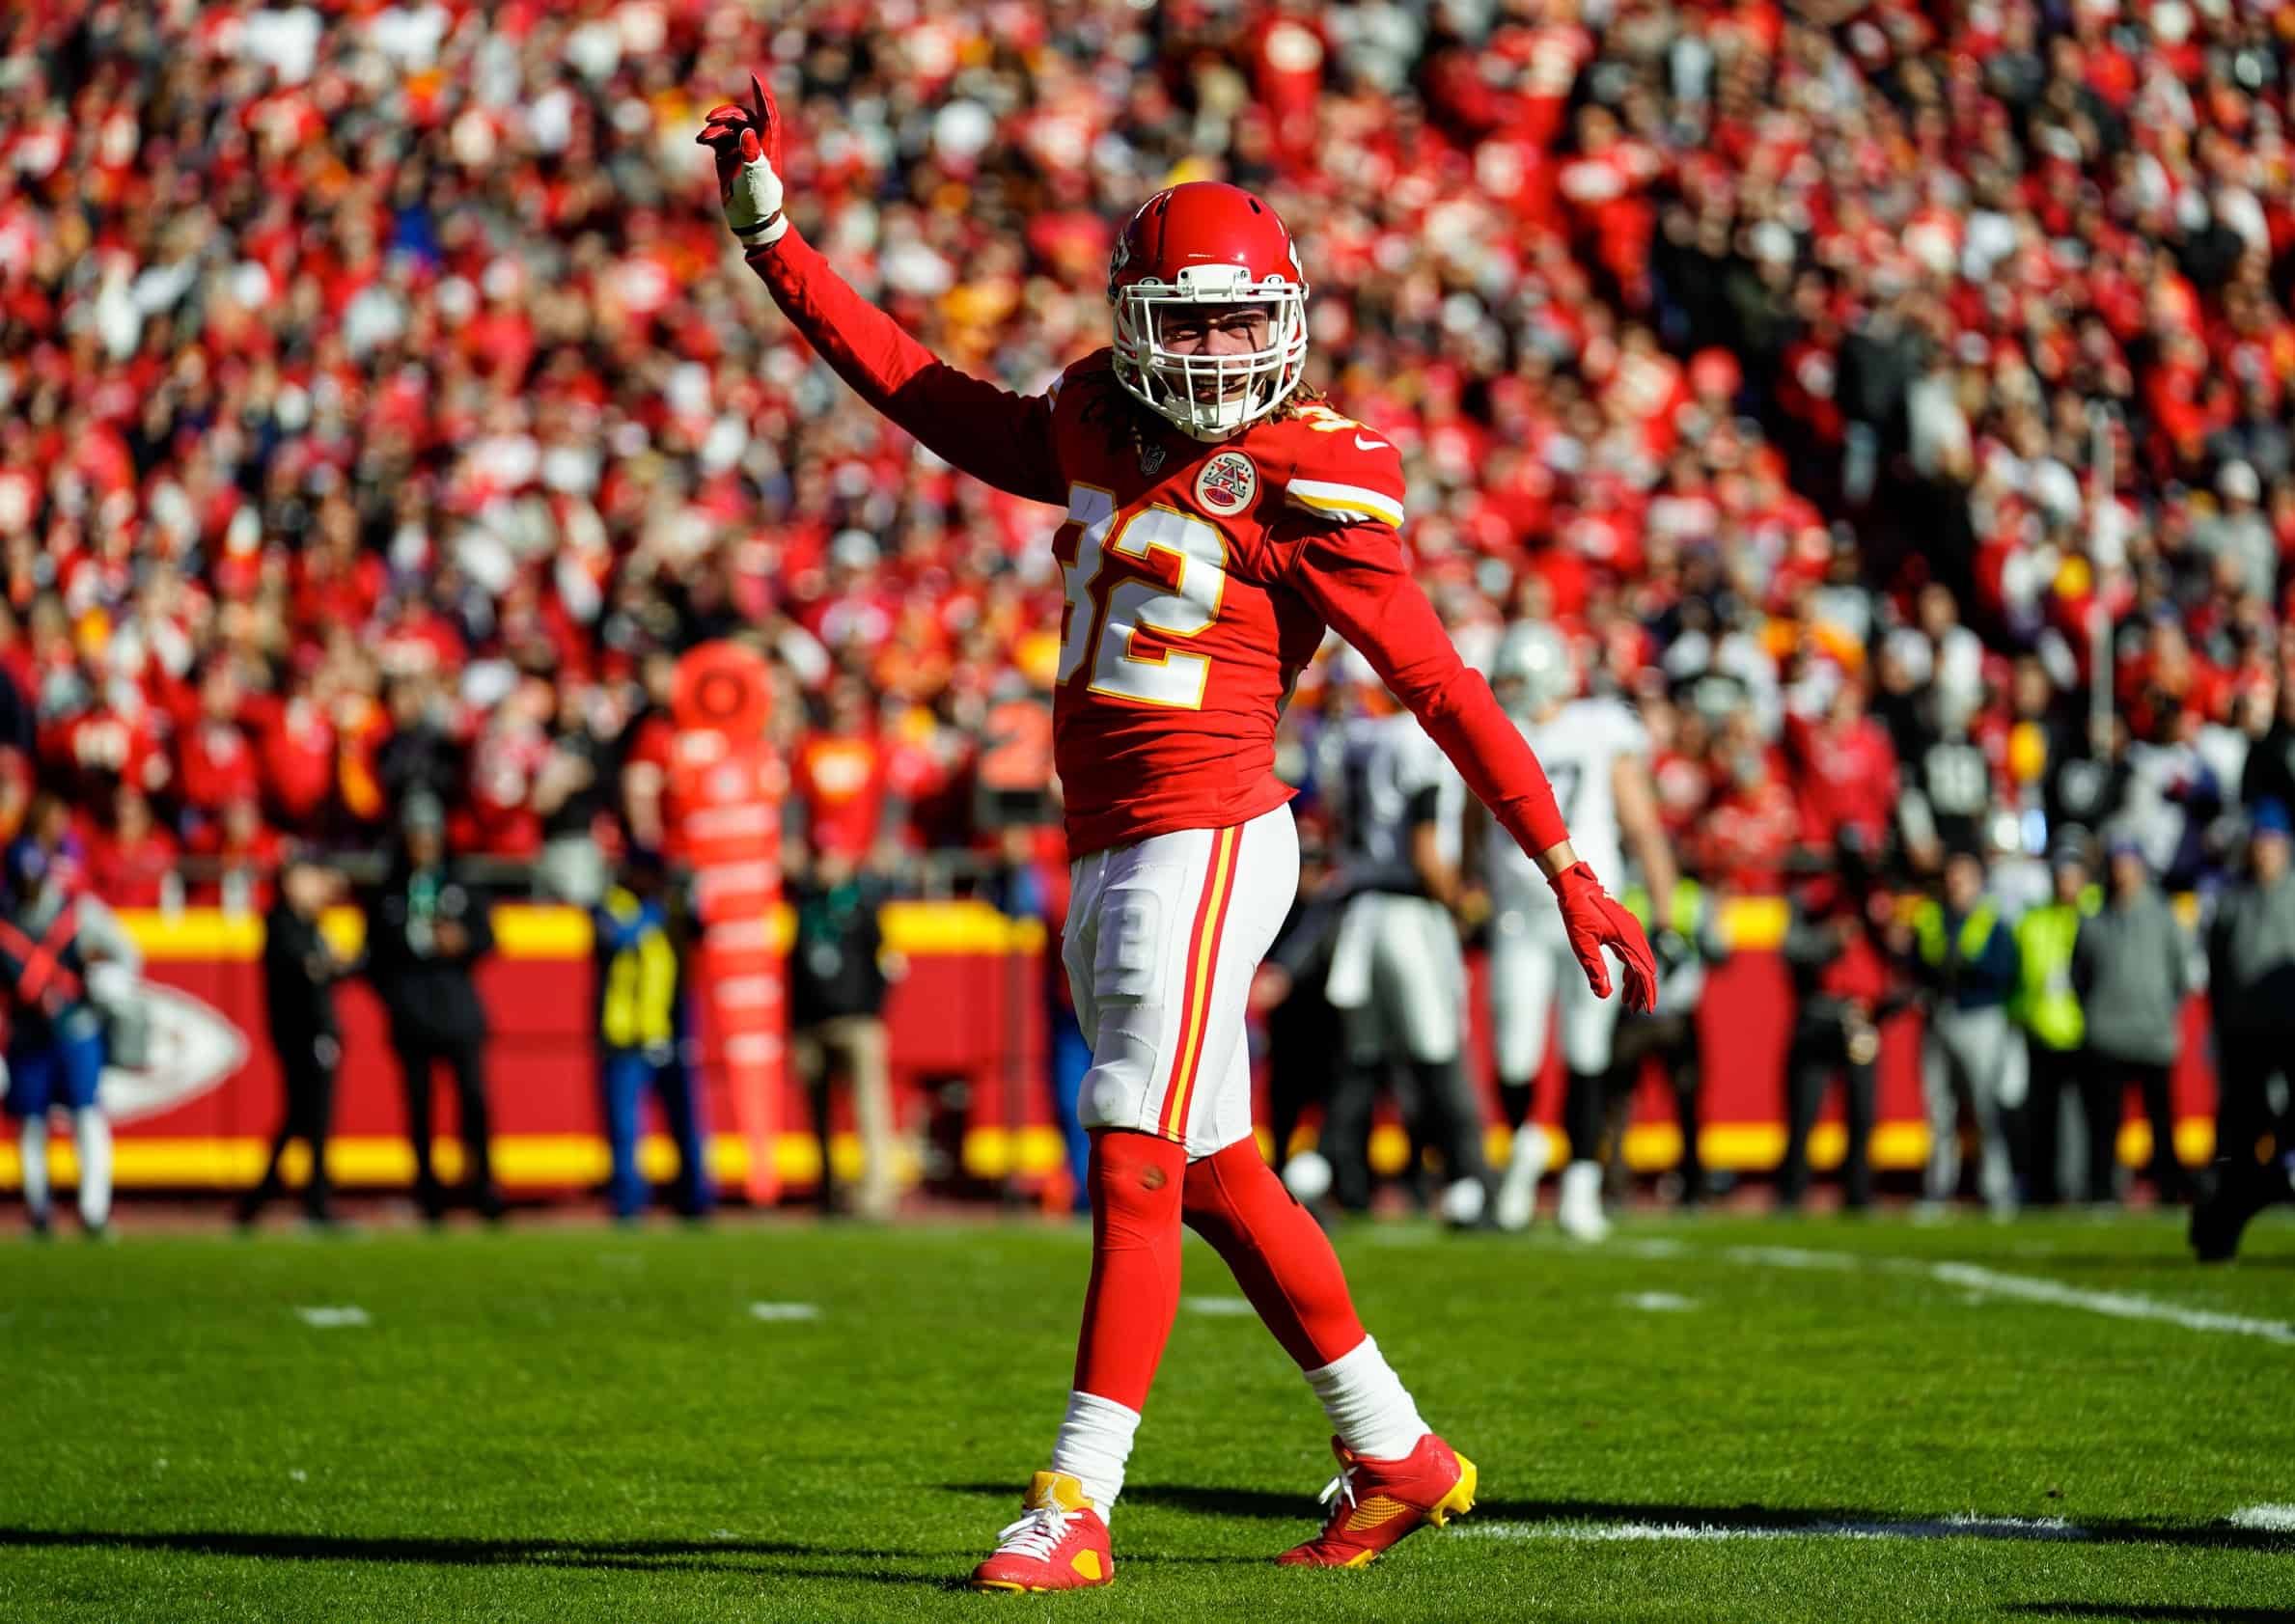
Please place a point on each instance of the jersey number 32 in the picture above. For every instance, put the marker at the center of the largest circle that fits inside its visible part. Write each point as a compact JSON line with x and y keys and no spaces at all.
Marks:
{"x":1124,"y":626}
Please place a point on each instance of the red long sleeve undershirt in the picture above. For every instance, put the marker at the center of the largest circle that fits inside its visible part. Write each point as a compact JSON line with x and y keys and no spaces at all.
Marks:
{"x":998,"y":437}
{"x":1359,"y":580}
{"x":1357,"y":577}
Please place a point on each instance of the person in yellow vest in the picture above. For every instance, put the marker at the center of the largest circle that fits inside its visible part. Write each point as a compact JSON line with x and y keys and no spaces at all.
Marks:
{"x":2047,"y":1007}
{"x":640,"y":1032}
{"x":1967,"y":963}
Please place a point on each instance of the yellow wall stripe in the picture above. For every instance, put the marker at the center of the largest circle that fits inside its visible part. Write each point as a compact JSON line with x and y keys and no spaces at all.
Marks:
{"x":527,"y":1159}
{"x":554,"y":931}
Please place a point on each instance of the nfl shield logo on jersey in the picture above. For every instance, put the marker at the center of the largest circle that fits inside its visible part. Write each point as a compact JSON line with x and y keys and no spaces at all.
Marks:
{"x":1227,"y":483}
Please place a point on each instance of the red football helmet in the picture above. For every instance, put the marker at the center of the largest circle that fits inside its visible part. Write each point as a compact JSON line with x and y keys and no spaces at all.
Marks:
{"x":1206,"y":243}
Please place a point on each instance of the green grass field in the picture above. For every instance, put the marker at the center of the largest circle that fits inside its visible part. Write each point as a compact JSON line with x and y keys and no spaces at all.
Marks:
{"x":572,"y":1424}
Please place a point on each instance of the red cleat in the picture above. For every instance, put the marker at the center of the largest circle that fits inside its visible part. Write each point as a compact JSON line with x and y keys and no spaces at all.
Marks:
{"x":1059,"y":1543}
{"x":1377,"y":1502}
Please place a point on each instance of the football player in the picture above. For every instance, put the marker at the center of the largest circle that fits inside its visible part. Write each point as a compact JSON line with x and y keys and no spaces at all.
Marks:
{"x":1396,"y":971}
{"x":1218,"y":520}
{"x":1595,"y":754}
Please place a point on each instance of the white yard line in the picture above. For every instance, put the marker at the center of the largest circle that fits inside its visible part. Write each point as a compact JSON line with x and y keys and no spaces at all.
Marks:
{"x":1983,"y":1281}
{"x":2271,"y":1519}
{"x":2119,"y":1305}
{"x":1961,"y":1525}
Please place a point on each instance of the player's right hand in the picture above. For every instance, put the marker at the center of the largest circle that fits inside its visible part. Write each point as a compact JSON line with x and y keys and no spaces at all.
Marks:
{"x":1595,"y":920}
{"x":746,"y":142}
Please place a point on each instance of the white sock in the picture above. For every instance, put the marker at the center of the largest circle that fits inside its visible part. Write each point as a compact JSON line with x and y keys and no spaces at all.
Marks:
{"x":1093,"y":1445}
{"x":1368,"y":1406}
{"x":31,"y":1147}
{"x":92,"y":1132}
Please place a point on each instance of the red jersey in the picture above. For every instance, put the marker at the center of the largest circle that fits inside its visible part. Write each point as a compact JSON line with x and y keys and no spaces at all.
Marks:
{"x":841,"y":779}
{"x":1200,"y":576}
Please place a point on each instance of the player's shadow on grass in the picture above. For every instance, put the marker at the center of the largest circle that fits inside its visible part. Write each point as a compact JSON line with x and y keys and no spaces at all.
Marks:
{"x":1753,"y":1519}
{"x":639,"y":1555}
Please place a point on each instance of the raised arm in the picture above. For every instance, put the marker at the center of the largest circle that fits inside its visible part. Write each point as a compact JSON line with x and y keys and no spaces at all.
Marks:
{"x":996,"y":436}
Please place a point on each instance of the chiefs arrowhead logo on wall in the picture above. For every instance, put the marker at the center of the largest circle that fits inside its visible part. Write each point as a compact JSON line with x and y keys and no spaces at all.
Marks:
{"x":191,"y":1047}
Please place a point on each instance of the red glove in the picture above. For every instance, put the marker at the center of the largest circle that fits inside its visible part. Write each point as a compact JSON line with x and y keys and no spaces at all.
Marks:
{"x":1595,"y":920}
{"x":746,"y":143}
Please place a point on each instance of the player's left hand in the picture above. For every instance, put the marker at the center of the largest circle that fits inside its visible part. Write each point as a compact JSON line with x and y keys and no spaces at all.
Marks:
{"x":1595,"y":920}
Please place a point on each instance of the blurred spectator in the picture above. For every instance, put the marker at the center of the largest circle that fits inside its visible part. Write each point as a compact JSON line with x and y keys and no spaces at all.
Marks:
{"x":839,"y":776}
{"x":1847,"y":771}
{"x":2251,"y":961}
{"x":426,"y":932}
{"x":1969,"y":962}
{"x":2131,"y":967}
{"x":131,"y":863}
{"x":244,"y":853}
{"x":840,"y":972}
{"x":573,"y":793}
{"x":641,"y":1036}
{"x":300,"y":968}
{"x":1841,"y":986}
{"x":68,"y":967}
{"x":2048,"y":1007}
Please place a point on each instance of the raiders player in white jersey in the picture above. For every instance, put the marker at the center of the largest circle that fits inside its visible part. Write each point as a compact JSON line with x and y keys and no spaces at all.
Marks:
{"x":1398,"y":976}
{"x":1596,"y":754}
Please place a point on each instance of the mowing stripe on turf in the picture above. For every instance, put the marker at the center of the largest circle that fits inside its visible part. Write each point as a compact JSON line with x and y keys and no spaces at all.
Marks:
{"x":1959,"y":1525}
{"x":1970,"y":1276}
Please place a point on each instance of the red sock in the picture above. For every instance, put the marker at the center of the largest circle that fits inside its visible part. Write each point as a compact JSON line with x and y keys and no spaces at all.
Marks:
{"x":1134,"y":1295}
{"x":1279,"y":1255}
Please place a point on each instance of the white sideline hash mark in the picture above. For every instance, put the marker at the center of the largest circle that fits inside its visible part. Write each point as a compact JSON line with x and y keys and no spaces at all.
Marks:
{"x":1959,"y":1525}
{"x":1218,"y":1307}
{"x":778,"y":1312}
{"x":2271,"y":1519}
{"x":333,"y":1319}
{"x":1658,"y":1302}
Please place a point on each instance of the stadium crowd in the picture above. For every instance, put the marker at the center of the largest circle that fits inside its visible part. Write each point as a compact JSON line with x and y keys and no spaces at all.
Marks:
{"x":1893,"y":400}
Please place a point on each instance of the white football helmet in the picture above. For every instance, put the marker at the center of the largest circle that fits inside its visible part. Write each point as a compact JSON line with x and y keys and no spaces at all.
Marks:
{"x":1532,"y":670}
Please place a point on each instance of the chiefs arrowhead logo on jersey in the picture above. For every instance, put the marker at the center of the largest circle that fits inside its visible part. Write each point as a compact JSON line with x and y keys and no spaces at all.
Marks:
{"x":1227,"y":484}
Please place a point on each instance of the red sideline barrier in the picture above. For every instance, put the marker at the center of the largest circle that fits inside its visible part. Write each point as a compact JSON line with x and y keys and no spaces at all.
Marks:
{"x":975,"y":985}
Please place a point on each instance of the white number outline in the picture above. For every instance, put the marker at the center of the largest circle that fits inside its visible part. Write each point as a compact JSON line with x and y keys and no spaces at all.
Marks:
{"x":1092,"y":520}
{"x":1116,"y":617}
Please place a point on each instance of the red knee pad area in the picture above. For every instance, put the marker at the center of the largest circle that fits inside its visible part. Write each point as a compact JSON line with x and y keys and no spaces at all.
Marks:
{"x":1137,"y":1180}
